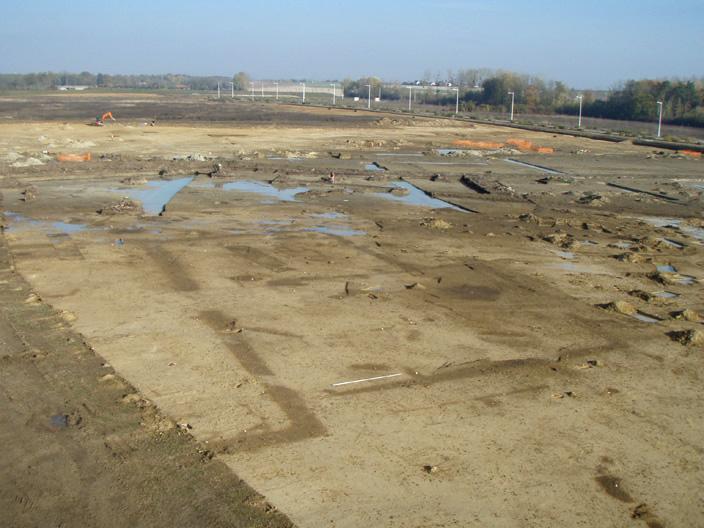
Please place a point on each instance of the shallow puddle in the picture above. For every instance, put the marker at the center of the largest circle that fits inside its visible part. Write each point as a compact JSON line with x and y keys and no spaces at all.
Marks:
{"x":568,"y":255}
{"x":645,"y":317}
{"x":675,"y":223}
{"x":336,"y":231}
{"x":666,"y":268}
{"x":685,"y":280}
{"x":265,"y":189}
{"x":63,"y":227}
{"x":59,"y":421}
{"x":416,"y":197}
{"x":458,"y":162}
{"x":261,"y":188}
{"x":331,"y":215}
{"x":533,"y":166}
{"x":20,"y":222}
{"x":673,"y":243}
{"x":450,"y":152}
{"x":158,"y":194}
{"x":666,"y":294}
{"x":374,"y":167}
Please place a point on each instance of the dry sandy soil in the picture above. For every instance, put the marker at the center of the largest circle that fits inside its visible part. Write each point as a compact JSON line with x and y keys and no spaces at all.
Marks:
{"x":527,"y":334}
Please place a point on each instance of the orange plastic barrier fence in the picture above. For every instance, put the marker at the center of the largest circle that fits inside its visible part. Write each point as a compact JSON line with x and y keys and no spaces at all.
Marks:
{"x":521,"y":144}
{"x":73,"y":157}
{"x":477,"y":144}
{"x":692,"y":153}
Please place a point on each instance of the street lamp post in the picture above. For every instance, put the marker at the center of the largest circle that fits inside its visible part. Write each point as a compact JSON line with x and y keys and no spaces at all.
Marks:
{"x":251,"y":86}
{"x":457,"y":100}
{"x":369,"y":97}
{"x":410,"y":98}
{"x":333,"y":93}
{"x":660,"y":119}
{"x":218,"y":89}
{"x":304,"y":93}
{"x":277,"y":90}
{"x":513,"y":97}
{"x":580,"y":98}
{"x":232,"y":87}
{"x":262,"y":89}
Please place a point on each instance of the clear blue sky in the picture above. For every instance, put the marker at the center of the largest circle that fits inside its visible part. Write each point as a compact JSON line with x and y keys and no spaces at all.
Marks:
{"x":587,"y":43}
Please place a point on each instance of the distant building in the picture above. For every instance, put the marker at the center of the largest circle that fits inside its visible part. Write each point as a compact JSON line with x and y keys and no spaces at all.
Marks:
{"x":73,"y":87}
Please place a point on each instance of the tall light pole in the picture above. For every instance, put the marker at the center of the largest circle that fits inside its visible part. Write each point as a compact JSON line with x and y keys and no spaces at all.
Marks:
{"x":513,"y":97}
{"x":379,"y":91}
{"x":277,"y":90}
{"x":410,"y":98}
{"x":251,"y":85}
{"x":660,"y":119}
{"x":304,"y":93}
{"x":262,"y":89}
{"x":333,"y":93}
{"x":580,"y":98}
{"x":369,"y":97}
{"x":232,"y":87}
{"x":218,"y":89}
{"x":457,"y":100}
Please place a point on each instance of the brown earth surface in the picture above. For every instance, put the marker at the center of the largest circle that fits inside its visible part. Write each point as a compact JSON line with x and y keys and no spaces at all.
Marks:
{"x":519,"y":344}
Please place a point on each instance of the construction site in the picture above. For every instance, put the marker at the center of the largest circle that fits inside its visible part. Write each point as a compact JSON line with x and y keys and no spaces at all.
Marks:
{"x":220,"y":312}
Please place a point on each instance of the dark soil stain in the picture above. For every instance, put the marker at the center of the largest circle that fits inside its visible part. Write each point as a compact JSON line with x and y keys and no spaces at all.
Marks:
{"x":370,"y":366}
{"x":237,"y":343}
{"x":612,"y":486}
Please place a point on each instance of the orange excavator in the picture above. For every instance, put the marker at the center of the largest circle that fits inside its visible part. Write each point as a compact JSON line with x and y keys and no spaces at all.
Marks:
{"x":100,"y":120}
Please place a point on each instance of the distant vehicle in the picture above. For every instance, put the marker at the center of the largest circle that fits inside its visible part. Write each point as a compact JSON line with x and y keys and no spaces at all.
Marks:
{"x":100,"y":120}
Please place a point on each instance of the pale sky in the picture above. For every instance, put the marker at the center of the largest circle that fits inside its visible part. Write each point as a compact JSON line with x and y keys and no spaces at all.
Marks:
{"x":587,"y":43}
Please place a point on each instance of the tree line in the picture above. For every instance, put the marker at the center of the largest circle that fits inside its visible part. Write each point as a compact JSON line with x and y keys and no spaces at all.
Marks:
{"x":683,"y":102}
{"x":480,"y":90}
{"x":53,"y":80}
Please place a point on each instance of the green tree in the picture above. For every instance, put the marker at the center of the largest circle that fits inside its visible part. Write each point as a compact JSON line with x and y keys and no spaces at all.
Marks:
{"x":241,"y":81}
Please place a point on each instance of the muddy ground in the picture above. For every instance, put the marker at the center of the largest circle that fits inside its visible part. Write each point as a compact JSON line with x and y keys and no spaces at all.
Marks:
{"x":527,"y":334}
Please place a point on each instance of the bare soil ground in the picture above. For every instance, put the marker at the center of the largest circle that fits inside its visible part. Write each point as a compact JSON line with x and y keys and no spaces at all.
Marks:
{"x":532,"y":355}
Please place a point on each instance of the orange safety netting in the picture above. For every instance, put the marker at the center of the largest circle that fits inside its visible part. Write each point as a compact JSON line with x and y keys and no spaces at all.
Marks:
{"x":521,"y":144}
{"x":73,"y":157}
{"x":477,"y":144}
{"x":691,"y":153}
